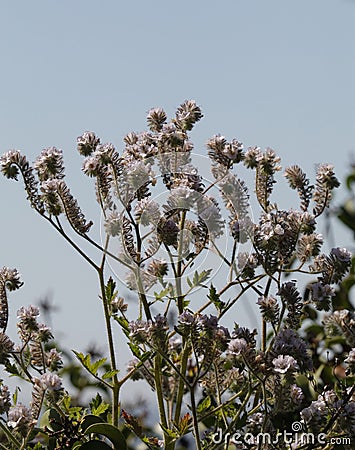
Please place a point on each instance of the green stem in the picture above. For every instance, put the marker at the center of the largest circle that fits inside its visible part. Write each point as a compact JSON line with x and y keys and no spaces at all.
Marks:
{"x":116,"y":386}
{"x":194,"y":418}
{"x":179,"y":264}
{"x":181,"y":387}
{"x":9,"y":435}
{"x":232,"y":266}
{"x":159,"y":390}
{"x":263,"y":335}
{"x":142,"y":296}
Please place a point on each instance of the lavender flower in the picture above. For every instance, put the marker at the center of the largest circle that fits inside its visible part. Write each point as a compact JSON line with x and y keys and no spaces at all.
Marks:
{"x":113,"y":224}
{"x":288,"y":342}
{"x":87,"y":143}
{"x":269,"y":308}
{"x":28,"y":315}
{"x":49,"y":164}
{"x":315,"y":415}
{"x":5,"y":399}
{"x":285,"y":363}
{"x":91,"y":166}
{"x":140,"y":330}
{"x":156,"y":119}
{"x":6,"y":347}
{"x":251,"y":157}
{"x":187,"y":114}
{"x":20,"y":418}
{"x":51,"y":381}
{"x":53,"y":359}
{"x":350,"y":360}
{"x":147,"y":212}
{"x":237,"y":346}
{"x":297,"y":395}
{"x":11,"y":278}
{"x":158,"y":268}
{"x":321,"y":295}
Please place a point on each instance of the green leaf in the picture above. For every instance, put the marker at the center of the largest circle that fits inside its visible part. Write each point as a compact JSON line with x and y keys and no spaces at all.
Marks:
{"x":96,"y":445}
{"x":86,"y":362}
{"x":199,"y":278}
{"x":109,"y":374}
{"x":160,"y":295}
{"x":109,"y":431}
{"x":98,"y":406}
{"x":88,"y":420}
{"x":172,"y":434}
{"x":12,"y":369}
{"x":123,"y":323}
{"x":215,"y":299}
{"x":38,"y":446}
{"x":110,"y":290}
{"x":204,"y":405}
{"x":76,"y":446}
{"x":54,"y":419}
{"x":15,"y":395}
{"x":100,"y":409}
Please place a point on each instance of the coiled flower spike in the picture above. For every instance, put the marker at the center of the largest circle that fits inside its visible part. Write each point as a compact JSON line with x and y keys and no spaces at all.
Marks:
{"x":10,"y":279}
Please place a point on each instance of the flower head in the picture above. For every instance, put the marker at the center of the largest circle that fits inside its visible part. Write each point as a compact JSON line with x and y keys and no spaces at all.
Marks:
{"x":49,"y":164}
{"x":237,"y":346}
{"x":5,"y":399}
{"x":87,"y":143}
{"x":20,"y":418}
{"x":284,"y":363}
{"x":51,"y":381}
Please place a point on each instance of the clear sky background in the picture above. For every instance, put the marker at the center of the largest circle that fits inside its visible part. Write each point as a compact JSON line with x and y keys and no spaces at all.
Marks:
{"x":272,"y":73}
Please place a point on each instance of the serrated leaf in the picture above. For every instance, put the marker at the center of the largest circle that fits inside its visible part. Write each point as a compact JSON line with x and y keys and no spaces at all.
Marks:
{"x":123,"y":323}
{"x":86,"y":362}
{"x":110,"y":374}
{"x":160,"y":295}
{"x":66,"y":402}
{"x":100,"y":409}
{"x":184,"y":424}
{"x":38,"y":446}
{"x":109,"y":431}
{"x":204,"y":405}
{"x":172,"y":434}
{"x":215,"y":298}
{"x":110,"y":289}
{"x":12,"y":369}
{"x":135,"y":350}
{"x":200,"y":278}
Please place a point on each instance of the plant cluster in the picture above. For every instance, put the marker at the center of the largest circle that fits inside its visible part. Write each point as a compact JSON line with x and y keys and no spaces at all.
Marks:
{"x":162,"y":220}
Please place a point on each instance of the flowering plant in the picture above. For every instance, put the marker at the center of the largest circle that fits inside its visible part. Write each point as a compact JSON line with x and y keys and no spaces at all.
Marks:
{"x":166,"y":224}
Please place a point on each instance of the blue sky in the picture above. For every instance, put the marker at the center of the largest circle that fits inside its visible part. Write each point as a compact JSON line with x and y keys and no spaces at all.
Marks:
{"x":276,"y":73}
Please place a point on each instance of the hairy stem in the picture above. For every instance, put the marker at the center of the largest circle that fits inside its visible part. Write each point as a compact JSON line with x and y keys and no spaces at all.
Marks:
{"x":116,"y":386}
{"x":194,"y":418}
{"x":168,"y":444}
{"x":181,"y":387}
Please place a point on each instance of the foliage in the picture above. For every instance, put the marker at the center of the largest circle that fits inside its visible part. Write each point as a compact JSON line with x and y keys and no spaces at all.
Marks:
{"x":213,"y":384}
